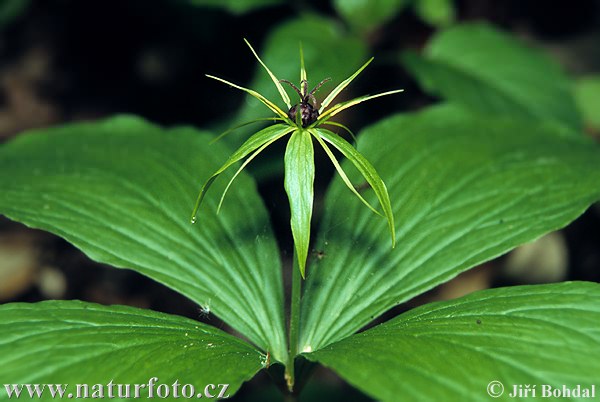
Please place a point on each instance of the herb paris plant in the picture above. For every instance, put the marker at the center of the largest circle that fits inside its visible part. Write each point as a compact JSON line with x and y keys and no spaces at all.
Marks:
{"x":304,"y":122}
{"x":467,"y":186}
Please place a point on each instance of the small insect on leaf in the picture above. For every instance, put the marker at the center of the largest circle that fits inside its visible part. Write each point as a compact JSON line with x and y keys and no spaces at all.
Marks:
{"x":318,"y":254}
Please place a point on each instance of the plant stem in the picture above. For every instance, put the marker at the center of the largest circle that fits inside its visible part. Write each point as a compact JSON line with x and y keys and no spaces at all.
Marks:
{"x":294,"y":323}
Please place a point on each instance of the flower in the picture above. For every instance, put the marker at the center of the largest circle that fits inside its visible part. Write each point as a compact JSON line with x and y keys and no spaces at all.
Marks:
{"x":303,"y":122}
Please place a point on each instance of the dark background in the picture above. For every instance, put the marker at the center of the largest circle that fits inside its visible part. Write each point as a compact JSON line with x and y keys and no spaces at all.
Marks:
{"x":66,"y":60}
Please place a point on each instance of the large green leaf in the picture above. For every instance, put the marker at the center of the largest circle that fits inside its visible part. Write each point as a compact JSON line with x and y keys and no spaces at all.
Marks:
{"x":452,"y":351}
{"x":324,"y":43}
{"x":122,"y":190}
{"x":464,"y":189}
{"x":72,"y":342}
{"x":490,"y":71}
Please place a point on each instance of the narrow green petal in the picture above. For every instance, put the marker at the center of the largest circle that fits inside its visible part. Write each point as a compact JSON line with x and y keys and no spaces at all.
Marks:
{"x":340,"y":171}
{"x":332,"y":95}
{"x":367,"y":170}
{"x":258,"y":96}
{"x":254,"y":142}
{"x":345,"y":105}
{"x":284,"y":95}
{"x":246,"y":162}
{"x":299,"y":179}
{"x":336,"y":124}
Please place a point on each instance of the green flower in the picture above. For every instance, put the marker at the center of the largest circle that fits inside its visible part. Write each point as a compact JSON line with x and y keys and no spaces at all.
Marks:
{"x":303,"y":123}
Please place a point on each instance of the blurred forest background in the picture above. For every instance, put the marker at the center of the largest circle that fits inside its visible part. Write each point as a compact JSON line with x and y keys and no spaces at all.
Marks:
{"x":67,"y":60}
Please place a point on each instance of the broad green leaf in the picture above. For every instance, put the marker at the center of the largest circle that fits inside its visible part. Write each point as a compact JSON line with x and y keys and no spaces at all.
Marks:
{"x":452,"y":351}
{"x":491,"y":71}
{"x":324,"y":44}
{"x":366,"y":15}
{"x":587,"y":94}
{"x":235,"y":6}
{"x":464,"y":189}
{"x":72,"y":342}
{"x":122,"y":191}
{"x":439,"y":13}
{"x":299,"y":178}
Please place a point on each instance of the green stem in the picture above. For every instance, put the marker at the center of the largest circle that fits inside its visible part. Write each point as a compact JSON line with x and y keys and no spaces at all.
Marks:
{"x":294,"y":323}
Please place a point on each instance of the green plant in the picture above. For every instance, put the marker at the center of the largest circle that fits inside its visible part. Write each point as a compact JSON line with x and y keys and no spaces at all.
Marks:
{"x":498,"y":164}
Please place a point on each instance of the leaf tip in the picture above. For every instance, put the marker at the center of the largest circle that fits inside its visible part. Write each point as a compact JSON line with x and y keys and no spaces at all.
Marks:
{"x":194,"y":217}
{"x":302,"y":266}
